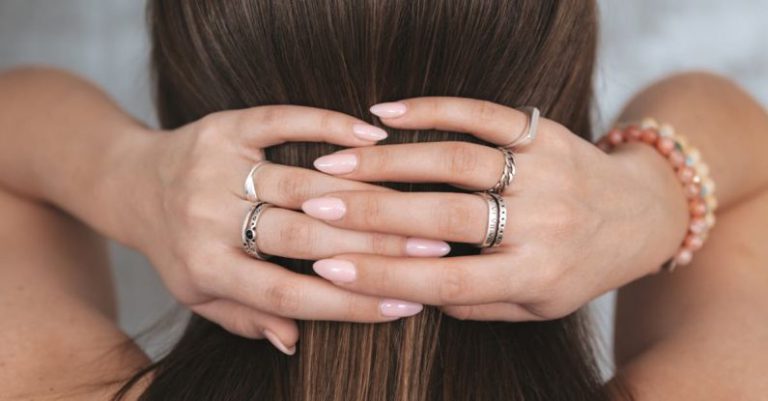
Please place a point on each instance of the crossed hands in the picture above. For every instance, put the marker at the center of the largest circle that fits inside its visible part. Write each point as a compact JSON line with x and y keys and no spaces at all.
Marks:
{"x":580,"y":222}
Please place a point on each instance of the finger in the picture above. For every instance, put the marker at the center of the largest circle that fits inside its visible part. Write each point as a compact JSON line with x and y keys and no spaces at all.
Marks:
{"x":295,"y":235}
{"x":464,"y":280}
{"x":453,"y":217}
{"x":486,"y":120}
{"x":251,"y":323}
{"x":462,"y":164}
{"x":269,"y":287}
{"x":265,"y":126}
{"x":499,"y":311}
{"x":288,"y":187}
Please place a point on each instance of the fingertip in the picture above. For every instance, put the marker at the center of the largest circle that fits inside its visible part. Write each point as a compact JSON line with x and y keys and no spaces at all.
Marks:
{"x":422,"y":247}
{"x":389,"y":109}
{"x":278,"y":343}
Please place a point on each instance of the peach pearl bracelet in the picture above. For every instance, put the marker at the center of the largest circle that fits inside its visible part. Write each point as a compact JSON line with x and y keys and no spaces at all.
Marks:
{"x":690,"y":169}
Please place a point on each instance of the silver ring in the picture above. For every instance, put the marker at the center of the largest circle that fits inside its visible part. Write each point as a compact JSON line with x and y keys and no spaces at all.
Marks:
{"x":502,"y":225}
{"x":531,"y":130}
{"x":491,"y":230}
{"x":510,"y":170}
{"x":249,"y":186}
{"x":248,"y":233}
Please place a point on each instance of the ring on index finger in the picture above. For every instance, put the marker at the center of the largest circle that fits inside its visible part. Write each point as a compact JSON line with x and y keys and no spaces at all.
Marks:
{"x":531,"y":129}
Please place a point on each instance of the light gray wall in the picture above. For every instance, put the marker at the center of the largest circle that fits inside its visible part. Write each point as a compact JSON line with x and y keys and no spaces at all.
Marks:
{"x":105,"y":40}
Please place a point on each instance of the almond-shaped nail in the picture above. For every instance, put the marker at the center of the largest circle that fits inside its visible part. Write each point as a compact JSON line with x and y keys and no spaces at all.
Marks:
{"x":325,"y":208}
{"x":369,"y":132}
{"x":398,"y":308}
{"x":336,"y":270}
{"x":279,"y":344}
{"x":426,"y":247}
{"x":389,"y":110}
{"x":337,"y":163}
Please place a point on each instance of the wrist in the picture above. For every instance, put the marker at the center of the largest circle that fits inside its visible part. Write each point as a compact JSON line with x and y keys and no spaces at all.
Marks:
{"x":666,"y":224}
{"x":126,"y":184}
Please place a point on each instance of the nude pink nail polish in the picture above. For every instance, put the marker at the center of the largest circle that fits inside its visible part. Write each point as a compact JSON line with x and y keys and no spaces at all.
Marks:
{"x":369,"y":132}
{"x":398,"y":308}
{"x":426,"y":247}
{"x":325,"y":208}
{"x":338,"y":163}
{"x":279,"y":344}
{"x":389,"y":110}
{"x":336,"y":270}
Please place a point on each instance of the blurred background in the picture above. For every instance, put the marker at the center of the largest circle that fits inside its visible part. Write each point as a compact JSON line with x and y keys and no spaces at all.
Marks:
{"x":642,"y":40}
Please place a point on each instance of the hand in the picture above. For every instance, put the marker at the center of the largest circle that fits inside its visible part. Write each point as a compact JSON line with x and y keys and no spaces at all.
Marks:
{"x":193,"y":209}
{"x":580,"y":222}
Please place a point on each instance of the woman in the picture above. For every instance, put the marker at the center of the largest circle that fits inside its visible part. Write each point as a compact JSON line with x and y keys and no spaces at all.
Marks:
{"x":236,"y":81}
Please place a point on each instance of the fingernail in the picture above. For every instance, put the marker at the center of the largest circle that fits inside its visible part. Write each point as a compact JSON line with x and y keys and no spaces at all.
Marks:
{"x":338,"y":163}
{"x":336,"y":270}
{"x":369,"y":132}
{"x":388,"y":110}
{"x":325,"y":208}
{"x":426,"y":247}
{"x":279,"y":344}
{"x":398,"y":308}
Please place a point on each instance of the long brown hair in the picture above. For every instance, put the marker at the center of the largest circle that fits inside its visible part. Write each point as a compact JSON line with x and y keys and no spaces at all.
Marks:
{"x":346,"y":55}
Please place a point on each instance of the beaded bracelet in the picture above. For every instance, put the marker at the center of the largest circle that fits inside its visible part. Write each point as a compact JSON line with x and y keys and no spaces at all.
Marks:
{"x":689,"y":168}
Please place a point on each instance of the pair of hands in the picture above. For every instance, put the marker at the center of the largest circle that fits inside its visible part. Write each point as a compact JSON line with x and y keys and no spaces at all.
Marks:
{"x":580,"y":222}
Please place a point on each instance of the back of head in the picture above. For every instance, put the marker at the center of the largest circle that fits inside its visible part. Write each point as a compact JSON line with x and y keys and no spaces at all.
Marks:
{"x":346,"y":55}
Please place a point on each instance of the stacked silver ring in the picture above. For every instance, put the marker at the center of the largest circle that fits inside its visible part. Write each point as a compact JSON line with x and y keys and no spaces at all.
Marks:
{"x":248,"y":232}
{"x":249,"y":235}
{"x":510,"y":169}
{"x":497,"y":219}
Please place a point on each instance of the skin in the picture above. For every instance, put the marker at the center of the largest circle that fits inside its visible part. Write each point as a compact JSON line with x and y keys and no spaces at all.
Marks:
{"x":189,"y":181}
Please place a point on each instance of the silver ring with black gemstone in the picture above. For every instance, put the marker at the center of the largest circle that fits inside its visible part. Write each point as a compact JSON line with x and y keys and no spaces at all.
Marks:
{"x":248,"y":233}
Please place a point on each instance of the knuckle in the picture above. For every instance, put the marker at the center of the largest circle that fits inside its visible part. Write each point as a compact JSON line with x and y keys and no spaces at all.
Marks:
{"x":546,"y":282}
{"x":294,"y":188}
{"x":452,"y":287}
{"x":327,"y":121}
{"x":454,"y":218}
{"x":376,"y":159}
{"x":271,"y":117}
{"x":485,"y":111}
{"x":298,"y":233}
{"x":462,"y":159}
{"x":383,"y":244}
{"x":283,"y":298}
{"x":370,"y":210}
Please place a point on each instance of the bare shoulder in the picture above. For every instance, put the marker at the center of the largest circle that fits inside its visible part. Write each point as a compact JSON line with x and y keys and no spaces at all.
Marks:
{"x":57,"y":313}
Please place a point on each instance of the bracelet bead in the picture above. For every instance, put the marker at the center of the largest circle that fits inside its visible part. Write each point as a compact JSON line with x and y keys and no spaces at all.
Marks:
{"x":692,"y":172}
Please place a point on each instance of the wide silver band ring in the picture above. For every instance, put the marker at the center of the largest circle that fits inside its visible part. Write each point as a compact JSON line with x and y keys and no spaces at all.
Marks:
{"x":497,"y":219}
{"x":531,"y":129}
{"x":248,"y":233}
{"x":249,"y":187}
{"x":510,"y":170}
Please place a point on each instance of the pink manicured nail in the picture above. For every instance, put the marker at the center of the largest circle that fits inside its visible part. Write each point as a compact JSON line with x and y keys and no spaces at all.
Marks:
{"x":338,"y":163}
{"x":335,"y":270}
{"x":279,"y":344}
{"x":388,"y":110}
{"x":369,"y":132}
{"x":325,"y":208}
{"x":398,"y":308}
{"x":426,"y":247}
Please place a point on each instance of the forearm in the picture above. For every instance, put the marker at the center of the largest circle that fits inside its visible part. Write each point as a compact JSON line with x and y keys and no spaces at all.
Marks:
{"x":700,"y":333}
{"x":64,"y":142}
{"x":728,"y":126}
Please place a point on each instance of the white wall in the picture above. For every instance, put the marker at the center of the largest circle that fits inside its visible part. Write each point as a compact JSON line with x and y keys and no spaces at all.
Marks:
{"x":105,"y":40}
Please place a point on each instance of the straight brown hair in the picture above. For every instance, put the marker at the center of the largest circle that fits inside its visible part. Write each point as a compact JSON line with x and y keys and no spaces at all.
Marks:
{"x":346,"y":55}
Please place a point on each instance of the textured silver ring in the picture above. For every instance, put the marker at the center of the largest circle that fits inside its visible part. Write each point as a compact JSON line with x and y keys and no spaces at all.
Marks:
{"x":249,"y":230}
{"x":491,"y":229}
{"x":531,"y":130}
{"x":502,"y":224}
{"x":249,"y":186}
{"x":510,"y":169}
